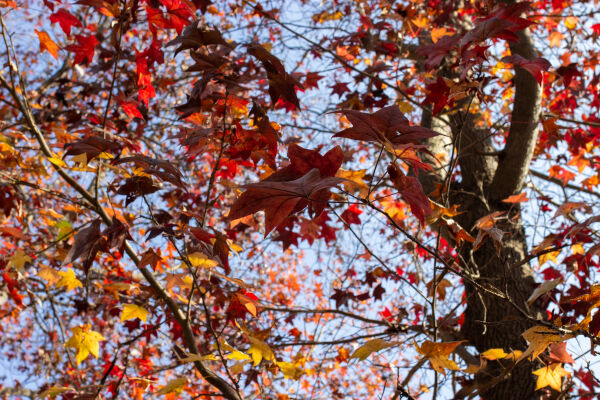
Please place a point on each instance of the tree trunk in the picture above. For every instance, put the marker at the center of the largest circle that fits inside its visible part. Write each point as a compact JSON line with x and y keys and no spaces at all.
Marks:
{"x":492,"y":321}
{"x":497,"y":317}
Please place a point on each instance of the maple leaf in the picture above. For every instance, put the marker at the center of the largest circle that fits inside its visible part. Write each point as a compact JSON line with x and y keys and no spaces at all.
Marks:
{"x":131,"y":109}
{"x":85,"y":341}
{"x":437,"y":354}
{"x":436,"y":52}
{"x":281,"y":84}
{"x":535,"y":66}
{"x":65,"y":19}
{"x":85,"y":244}
{"x":437,"y":94}
{"x":197,"y":35}
{"x":351,"y":215}
{"x":311,"y":80}
{"x":539,"y":338}
{"x":543,"y":289}
{"x":289,"y":370}
{"x":340,"y":88}
{"x":354,"y":181}
{"x":550,"y":375}
{"x":48,"y":274}
{"x":47,"y":44}
{"x":92,"y":147}
{"x":494,"y":354}
{"x":593,"y":299}
{"x":259,"y":351}
{"x":68,"y":280}
{"x":173,"y":386}
{"x":370,"y":347}
{"x":516,"y":198}
{"x":18,"y":260}
{"x":132,"y":311}
{"x":304,"y":160}
{"x":387,"y":125}
{"x":559,"y":353}
{"x":179,"y":13}
{"x":84,"y":49}
{"x":441,"y":288}
{"x":198,"y":260}
{"x":411,"y":191}
{"x":281,"y":199}
{"x":54,"y":391}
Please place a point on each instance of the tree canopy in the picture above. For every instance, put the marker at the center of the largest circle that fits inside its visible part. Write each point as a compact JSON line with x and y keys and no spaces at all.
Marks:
{"x":299,"y":200}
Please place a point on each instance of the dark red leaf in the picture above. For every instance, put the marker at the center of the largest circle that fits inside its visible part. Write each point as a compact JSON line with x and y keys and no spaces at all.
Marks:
{"x":535,"y":67}
{"x":281,"y":199}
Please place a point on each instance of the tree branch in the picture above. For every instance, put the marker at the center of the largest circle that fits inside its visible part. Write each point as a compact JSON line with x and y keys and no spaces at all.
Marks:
{"x":522,"y":136}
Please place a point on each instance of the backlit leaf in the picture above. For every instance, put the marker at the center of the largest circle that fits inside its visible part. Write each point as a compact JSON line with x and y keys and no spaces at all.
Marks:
{"x":85,"y":341}
{"x":371,"y":346}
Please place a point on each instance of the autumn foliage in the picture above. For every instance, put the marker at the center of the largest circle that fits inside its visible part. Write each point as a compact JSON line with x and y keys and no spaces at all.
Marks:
{"x":287,"y":200}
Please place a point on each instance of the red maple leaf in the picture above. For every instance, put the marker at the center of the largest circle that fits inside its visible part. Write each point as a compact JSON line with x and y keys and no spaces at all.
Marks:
{"x":281,"y":84}
{"x":386,"y":125}
{"x":535,"y":67}
{"x":84,"y":49}
{"x":281,"y":199}
{"x":437,"y":94}
{"x":311,"y":80}
{"x":303,"y":160}
{"x":411,"y":191}
{"x":179,"y":14}
{"x":130,"y":108}
{"x":437,"y":51}
{"x":350,"y":215}
{"x":65,"y":19}
{"x":340,"y":88}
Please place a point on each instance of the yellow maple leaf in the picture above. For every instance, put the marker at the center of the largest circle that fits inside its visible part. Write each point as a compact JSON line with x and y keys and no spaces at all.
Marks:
{"x":259,"y":350}
{"x":437,"y":354}
{"x":539,"y":338}
{"x":371,"y":346}
{"x":237,"y":355}
{"x":173,"y":386}
{"x":549,"y":257}
{"x":68,"y":280}
{"x":85,"y":341}
{"x":290,"y":371}
{"x":53,"y":391}
{"x":550,"y":375}
{"x":593,"y":298}
{"x":200,"y":260}
{"x":48,"y":274}
{"x":18,"y":260}
{"x":494,"y":354}
{"x":57,"y":161}
{"x":438,"y":33}
{"x":132,"y":311}
{"x":238,"y":367}
{"x":354,"y":181}
{"x":571,"y":23}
